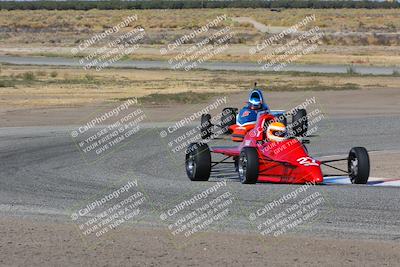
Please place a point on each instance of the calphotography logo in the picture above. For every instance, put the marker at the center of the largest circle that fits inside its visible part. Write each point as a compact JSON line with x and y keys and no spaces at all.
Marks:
{"x":300,"y":43}
{"x":178,"y":137}
{"x":202,"y":45}
{"x":108,"y":130}
{"x":199,"y":212}
{"x":187,"y":37}
{"x":98,"y":37}
{"x":108,"y":211}
{"x":288,"y":212}
{"x":291,"y":30}
{"x":119,"y":44}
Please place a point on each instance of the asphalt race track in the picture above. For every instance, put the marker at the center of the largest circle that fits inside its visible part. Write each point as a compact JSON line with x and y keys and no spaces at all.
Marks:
{"x":43,"y":175}
{"x":234,"y":66}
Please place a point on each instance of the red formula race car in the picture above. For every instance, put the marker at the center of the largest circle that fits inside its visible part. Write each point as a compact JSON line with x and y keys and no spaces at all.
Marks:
{"x":277,"y":159}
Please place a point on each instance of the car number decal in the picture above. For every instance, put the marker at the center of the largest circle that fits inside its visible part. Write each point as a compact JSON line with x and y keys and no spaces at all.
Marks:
{"x":307,"y":161}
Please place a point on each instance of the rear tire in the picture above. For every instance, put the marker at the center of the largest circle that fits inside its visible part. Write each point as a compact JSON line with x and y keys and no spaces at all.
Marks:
{"x":198,"y":162}
{"x":358,"y":165}
{"x":300,"y":123}
{"x":248,"y":165}
{"x":228,"y":118}
{"x":282,"y":118}
{"x":205,"y":126}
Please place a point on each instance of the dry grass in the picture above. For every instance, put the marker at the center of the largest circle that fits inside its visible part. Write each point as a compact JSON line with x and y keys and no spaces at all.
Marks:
{"x":346,"y":55}
{"x":74,"y":87}
{"x":27,"y":33}
{"x":97,"y":20}
{"x":164,"y":25}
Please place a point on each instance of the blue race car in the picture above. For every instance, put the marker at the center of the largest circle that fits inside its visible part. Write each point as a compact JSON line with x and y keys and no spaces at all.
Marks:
{"x":238,"y":124}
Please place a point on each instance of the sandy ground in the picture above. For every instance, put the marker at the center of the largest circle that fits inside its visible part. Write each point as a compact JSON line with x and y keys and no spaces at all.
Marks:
{"x":382,"y":164}
{"x":26,"y":242}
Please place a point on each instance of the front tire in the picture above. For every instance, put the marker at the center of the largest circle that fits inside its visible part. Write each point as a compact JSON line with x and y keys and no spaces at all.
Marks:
{"x":358,"y":165}
{"x":248,"y":165}
{"x":198,"y":162}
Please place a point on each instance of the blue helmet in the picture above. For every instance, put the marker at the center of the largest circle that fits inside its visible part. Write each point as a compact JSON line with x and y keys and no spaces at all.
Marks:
{"x":256,"y":99}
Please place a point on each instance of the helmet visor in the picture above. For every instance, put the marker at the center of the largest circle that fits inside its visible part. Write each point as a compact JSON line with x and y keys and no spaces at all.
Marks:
{"x":279,"y":133}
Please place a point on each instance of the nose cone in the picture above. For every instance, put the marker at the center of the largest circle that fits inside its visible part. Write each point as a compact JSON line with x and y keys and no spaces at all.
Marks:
{"x":310,"y":174}
{"x":303,"y":167}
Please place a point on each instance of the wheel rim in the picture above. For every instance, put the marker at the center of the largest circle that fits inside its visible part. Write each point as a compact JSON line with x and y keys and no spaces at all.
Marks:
{"x":191,"y":164}
{"x":242,"y":167}
{"x":353,"y":167}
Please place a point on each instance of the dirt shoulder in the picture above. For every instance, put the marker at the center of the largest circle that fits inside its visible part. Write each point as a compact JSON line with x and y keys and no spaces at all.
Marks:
{"x":59,"y":244}
{"x":371,"y":55}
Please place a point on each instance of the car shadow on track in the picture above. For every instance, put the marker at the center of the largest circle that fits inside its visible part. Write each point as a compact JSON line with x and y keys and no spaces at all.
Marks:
{"x":227,"y":173}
